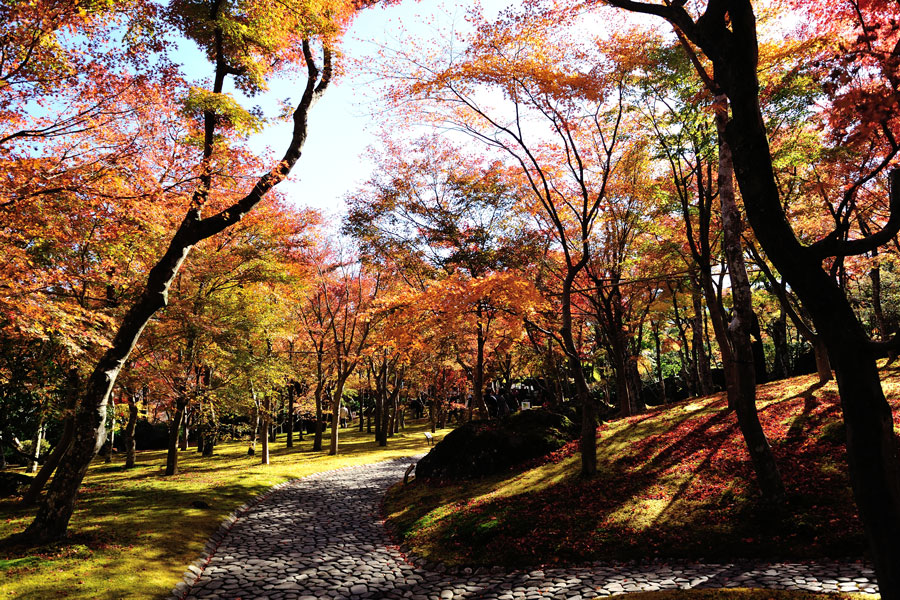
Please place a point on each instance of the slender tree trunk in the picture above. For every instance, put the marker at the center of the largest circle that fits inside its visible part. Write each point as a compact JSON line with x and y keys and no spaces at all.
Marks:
{"x":128,"y":435}
{"x":290,"y":416}
{"x":174,"y":429}
{"x":266,"y":422}
{"x":659,"y":371}
{"x":65,"y":440}
{"x":588,"y":438}
{"x":36,"y":446}
{"x":767,"y":473}
{"x":317,"y":439}
{"x":336,"y":402}
{"x":478,"y":375}
{"x":251,"y":450}
{"x":704,"y":374}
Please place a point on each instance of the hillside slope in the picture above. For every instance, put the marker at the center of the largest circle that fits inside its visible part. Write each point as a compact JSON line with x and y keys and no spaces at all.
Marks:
{"x":673,"y":482}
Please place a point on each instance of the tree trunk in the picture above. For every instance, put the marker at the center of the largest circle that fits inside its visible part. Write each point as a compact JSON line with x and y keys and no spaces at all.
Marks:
{"x":266,"y":421}
{"x":767,"y":473}
{"x":174,"y":430}
{"x":704,"y":374}
{"x":251,"y":449}
{"x":588,"y":439}
{"x":336,"y":402}
{"x":659,"y":371}
{"x":128,"y":434}
{"x":185,"y":430}
{"x":317,"y":439}
{"x":290,"y":416}
{"x":778,"y":331}
{"x":52,"y":519}
{"x":871,"y":443}
{"x":111,"y":438}
{"x":65,"y":440}
{"x":36,"y":446}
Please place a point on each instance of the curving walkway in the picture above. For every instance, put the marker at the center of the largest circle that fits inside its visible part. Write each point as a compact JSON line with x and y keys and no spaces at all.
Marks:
{"x":321,"y":537}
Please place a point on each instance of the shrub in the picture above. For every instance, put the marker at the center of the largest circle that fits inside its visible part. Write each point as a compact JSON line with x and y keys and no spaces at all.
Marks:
{"x":481,"y":448}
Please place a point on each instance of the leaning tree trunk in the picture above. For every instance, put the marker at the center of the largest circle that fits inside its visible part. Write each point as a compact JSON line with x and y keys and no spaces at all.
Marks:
{"x":52,"y":519}
{"x":767,"y":473}
{"x":871,"y":442}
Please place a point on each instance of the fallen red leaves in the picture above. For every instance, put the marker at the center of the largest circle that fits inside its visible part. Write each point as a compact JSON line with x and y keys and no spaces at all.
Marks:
{"x":682,"y":487}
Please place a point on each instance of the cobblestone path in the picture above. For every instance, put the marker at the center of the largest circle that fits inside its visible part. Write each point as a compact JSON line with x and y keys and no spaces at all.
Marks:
{"x":321,"y":537}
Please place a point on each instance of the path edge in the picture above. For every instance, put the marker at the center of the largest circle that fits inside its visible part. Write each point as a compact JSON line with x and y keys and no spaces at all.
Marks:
{"x":195,"y":569}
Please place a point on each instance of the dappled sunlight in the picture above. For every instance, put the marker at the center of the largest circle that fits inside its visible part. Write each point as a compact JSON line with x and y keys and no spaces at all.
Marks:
{"x":676,"y":482}
{"x":139,"y":528}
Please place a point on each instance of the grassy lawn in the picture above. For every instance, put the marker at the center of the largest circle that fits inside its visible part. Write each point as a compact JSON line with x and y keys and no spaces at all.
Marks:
{"x":674,"y":482}
{"x":134,"y":531}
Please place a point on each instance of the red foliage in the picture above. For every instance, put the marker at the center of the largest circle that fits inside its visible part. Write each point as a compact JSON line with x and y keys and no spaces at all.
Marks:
{"x":712,"y":508}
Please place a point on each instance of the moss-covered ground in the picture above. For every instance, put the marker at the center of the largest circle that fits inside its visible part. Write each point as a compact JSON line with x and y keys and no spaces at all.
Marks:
{"x":135,"y":531}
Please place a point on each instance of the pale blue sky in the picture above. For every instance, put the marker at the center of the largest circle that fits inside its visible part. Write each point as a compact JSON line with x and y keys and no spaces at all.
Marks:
{"x":342,"y":124}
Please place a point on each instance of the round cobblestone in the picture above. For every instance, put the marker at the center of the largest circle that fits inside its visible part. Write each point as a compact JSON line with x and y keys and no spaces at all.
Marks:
{"x":321,"y":537}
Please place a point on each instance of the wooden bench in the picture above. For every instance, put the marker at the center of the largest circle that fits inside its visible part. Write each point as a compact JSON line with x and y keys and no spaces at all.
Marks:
{"x":430,"y":437}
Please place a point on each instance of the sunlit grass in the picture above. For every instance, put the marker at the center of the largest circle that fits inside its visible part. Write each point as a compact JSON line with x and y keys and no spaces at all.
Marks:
{"x":673,"y":482}
{"x":134,"y":531}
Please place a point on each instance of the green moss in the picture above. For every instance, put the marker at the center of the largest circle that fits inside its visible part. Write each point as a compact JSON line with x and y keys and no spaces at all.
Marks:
{"x":134,"y":531}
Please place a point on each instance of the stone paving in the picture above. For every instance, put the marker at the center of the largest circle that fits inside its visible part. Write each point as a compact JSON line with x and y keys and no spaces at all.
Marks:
{"x":322,"y":538}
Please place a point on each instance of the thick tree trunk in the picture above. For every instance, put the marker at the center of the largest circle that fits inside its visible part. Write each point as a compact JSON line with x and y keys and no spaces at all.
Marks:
{"x":871,"y":443}
{"x":767,"y":473}
{"x":635,"y":403}
{"x":759,"y":353}
{"x":778,"y":331}
{"x":111,"y":437}
{"x":174,"y":430}
{"x":185,"y":429}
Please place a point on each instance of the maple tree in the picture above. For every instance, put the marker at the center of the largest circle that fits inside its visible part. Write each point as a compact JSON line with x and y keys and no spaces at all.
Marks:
{"x":248,"y":42}
{"x":449,"y":227}
{"x":578,"y":105}
{"x":726,"y":32}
